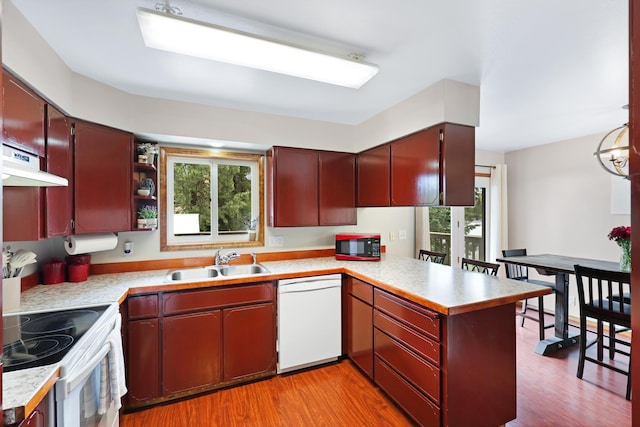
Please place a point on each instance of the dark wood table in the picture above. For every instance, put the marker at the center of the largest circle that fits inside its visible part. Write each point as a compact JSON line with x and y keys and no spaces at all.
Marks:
{"x":560,"y":266}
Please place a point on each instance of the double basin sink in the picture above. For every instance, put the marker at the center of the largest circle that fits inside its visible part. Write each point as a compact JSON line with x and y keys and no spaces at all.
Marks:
{"x":213,"y":272}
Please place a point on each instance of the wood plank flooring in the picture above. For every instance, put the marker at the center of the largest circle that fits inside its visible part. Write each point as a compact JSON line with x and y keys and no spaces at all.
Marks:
{"x":549,"y":394}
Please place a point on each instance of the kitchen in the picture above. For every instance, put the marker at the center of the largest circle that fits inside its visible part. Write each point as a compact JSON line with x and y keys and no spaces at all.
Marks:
{"x":24,"y":59}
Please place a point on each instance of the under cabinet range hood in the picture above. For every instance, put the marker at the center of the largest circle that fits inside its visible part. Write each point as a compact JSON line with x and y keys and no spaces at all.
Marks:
{"x":22,"y":169}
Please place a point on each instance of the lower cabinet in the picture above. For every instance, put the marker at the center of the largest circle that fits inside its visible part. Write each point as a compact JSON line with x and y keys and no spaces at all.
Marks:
{"x":191,"y":350}
{"x":359,"y":324}
{"x":249,"y":337}
{"x":185,"y":342}
{"x":442,"y":370}
{"x":40,"y":416}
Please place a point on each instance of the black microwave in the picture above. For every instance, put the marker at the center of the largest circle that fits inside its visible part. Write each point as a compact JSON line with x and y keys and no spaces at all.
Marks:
{"x":358,"y":247}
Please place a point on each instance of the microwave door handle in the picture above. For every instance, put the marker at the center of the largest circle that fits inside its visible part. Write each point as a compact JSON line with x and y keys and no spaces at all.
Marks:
{"x":71,"y":382}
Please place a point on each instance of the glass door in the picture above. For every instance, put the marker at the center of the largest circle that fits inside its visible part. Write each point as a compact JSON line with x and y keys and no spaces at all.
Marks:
{"x":462,"y":231}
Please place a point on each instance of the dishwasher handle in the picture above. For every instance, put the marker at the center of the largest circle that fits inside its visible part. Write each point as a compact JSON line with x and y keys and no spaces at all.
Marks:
{"x":297,"y":289}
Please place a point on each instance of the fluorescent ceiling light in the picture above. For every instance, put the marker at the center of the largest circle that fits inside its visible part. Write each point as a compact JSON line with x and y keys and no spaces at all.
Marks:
{"x":182,"y":35}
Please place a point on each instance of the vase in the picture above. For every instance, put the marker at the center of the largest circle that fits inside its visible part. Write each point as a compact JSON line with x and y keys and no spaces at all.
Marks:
{"x":625,"y":255}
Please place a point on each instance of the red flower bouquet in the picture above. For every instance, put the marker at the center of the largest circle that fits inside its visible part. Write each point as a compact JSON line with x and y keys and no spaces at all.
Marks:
{"x":620,"y":233}
{"x":622,"y":236}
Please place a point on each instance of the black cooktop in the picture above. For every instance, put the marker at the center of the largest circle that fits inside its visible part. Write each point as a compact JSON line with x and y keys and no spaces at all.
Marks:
{"x":37,"y":339}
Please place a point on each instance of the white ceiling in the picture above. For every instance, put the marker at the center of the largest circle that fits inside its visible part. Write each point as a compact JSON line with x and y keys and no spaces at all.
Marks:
{"x":548,"y":70}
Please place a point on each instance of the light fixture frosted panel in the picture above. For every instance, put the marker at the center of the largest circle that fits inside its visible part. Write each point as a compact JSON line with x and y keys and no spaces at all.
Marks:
{"x":189,"y":37}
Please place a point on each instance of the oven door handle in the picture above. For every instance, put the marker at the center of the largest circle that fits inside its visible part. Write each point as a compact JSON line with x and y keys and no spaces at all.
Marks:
{"x":72,"y":381}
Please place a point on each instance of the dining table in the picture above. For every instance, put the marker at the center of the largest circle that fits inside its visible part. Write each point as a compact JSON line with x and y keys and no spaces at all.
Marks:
{"x":561,"y":267}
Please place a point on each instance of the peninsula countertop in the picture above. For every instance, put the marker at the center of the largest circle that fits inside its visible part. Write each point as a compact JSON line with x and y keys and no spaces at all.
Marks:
{"x":444,"y":289}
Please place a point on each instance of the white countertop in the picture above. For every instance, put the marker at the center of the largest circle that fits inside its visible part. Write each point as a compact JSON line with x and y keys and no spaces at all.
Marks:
{"x":439,"y":287}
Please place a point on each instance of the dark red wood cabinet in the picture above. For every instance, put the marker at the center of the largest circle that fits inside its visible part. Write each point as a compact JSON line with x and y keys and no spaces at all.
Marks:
{"x":415,"y":169}
{"x":358,"y":325}
{"x":191,"y":352}
{"x":374,"y":176}
{"x":249,"y":334}
{"x":337,"y":188}
{"x":102,"y":179}
{"x":433,"y":366}
{"x":22,"y":218}
{"x":39,"y":417}
{"x":310,"y":187}
{"x":292,"y":191}
{"x":59,"y":200}
{"x":185,"y":342}
{"x":431,"y":167}
{"x":23,"y":125}
{"x":143,"y":363}
{"x":142,"y":347}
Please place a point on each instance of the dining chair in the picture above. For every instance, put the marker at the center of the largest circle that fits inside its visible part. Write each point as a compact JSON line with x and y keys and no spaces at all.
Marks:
{"x":520,"y":272}
{"x":437,"y":257}
{"x":597,"y":291}
{"x":480,"y":266}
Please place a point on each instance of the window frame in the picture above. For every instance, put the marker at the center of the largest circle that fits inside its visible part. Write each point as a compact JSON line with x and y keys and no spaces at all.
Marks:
{"x":199,"y":154}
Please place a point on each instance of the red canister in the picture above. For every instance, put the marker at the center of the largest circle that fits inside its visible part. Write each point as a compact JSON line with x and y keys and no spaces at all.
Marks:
{"x":53,"y":272}
{"x":78,"y":272}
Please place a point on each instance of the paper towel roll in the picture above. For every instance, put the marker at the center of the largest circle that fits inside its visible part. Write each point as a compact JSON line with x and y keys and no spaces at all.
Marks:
{"x":83,"y":244}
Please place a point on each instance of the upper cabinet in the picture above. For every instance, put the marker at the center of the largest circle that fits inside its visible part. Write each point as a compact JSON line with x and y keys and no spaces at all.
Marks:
{"x":292,"y":192}
{"x":23,"y":117}
{"x":337,"y":188}
{"x":59,"y":200}
{"x":102,"y":179}
{"x":431,"y":167}
{"x":310,"y":187}
{"x":374,"y":169}
{"x":415,"y":166}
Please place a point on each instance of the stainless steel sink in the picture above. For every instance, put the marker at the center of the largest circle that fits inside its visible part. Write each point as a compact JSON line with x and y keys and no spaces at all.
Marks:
{"x":242,"y":269}
{"x":214,"y":272}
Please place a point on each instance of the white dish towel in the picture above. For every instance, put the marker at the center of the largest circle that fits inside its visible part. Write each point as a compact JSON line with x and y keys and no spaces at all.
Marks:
{"x":116,"y":365}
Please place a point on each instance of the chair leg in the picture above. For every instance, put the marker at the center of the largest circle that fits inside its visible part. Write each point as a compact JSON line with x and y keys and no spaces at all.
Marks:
{"x":523,"y":312}
{"x":612,"y":340}
{"x":629,"y":380}
{"x":541,"y":318}
{"x":582,"y":346}
{"x":600,"y":340}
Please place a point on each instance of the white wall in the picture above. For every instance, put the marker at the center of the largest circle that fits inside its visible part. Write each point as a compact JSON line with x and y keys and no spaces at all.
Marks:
{"x":560,"y":203}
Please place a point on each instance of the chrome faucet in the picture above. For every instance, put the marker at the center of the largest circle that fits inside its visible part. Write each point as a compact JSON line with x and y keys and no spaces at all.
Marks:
{"x":225,"y":258}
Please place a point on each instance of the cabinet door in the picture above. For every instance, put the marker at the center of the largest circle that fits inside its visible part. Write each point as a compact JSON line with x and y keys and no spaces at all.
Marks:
{"x":337,"y":188}
{"x":39,"y":417}
{"x":249,"y":341}
{"x":22,"y":214}
{"x":23,"y":117}
{"x":102,"y":179}
{"x":415,"y":169}
{"x":360,"y":334}
{"x":143,"y":364}
{"x":58,"y":203}
{"x":374,"y":169}
{"x":191,"y":352}
{"x":292,"y":187}
{"x":458,"y":165}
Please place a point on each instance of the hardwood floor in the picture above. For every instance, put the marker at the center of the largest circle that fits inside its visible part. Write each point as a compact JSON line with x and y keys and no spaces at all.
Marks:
{"x":549,"y":394}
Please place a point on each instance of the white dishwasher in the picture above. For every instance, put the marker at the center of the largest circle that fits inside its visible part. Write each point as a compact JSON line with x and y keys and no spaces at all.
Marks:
{"x":309,"y":321}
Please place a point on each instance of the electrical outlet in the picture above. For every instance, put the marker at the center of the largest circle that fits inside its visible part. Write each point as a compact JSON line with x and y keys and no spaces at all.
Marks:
{"x":392,"y":236}
{"x":402,"y":234}
{"x":276,"y":241}
{"x":572,"y":300}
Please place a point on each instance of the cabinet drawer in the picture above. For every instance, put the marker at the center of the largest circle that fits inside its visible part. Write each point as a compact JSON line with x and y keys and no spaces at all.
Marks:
{"x":143,"y":306}
{"x":420,"y":344}
{"x":419,"y":372}
{"x":421,"y":409}
{"x":361,"y":290}
{"x":185,"y":301}
{"x":417,"y":317}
